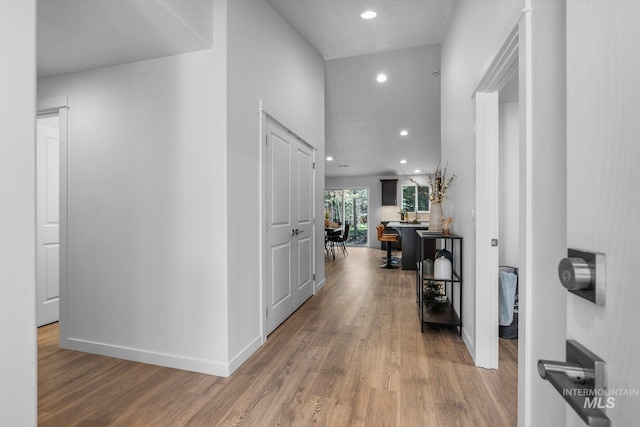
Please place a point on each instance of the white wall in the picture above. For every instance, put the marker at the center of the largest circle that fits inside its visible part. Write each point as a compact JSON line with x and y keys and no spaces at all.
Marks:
{"x":147,"y":208}
{"x":509,"y":184}
{"x":18,"y":381}
{"x":473,"y":36}
{"x":164,"y":162}
{"x":477,"y":30}
{"x":268,"y":61}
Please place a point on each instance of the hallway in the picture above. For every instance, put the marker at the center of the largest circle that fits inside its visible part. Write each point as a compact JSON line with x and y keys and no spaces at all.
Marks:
{"x":351,"y":355}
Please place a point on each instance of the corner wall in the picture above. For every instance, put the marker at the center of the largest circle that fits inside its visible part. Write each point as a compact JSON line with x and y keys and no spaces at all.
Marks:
{"x":18,"y":376}
{"x":146,"y":208}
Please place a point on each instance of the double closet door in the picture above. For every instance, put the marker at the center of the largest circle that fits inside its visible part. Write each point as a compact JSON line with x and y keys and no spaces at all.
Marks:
{"x":289,"y":208}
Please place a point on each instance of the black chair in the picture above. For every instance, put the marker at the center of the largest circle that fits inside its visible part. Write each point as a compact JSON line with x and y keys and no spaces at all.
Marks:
{"x":339,"y":240}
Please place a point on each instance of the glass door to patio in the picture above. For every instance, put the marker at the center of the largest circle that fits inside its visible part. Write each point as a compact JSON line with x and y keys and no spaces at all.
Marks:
{"x":349,"y":206}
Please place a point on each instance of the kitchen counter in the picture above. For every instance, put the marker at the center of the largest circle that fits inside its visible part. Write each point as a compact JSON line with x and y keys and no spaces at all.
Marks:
{"x":404,"y":224}
{"x":407,"y":231}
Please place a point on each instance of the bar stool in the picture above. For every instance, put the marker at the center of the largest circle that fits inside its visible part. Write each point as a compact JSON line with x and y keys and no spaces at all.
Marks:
{"x":388,"y":239}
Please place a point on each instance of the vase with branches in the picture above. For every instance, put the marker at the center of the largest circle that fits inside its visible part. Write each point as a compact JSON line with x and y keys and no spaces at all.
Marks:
{"x":439,"y":183}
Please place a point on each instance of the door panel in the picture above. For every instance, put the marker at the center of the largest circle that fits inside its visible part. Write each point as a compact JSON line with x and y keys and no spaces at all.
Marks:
{"x":305,"y":269}
{"x":280,"y":254}
{"x":304,"y":223}
{"x":289,"y":224}
{"x":281,"y":284}
{"x":603,"y":63}
{"x":48,"y":218}
{"x":280,"y":187}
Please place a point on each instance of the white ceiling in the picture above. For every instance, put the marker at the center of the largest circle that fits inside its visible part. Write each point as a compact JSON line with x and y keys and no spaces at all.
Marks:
{"x":363,"y":118}
{"x":79,"y":35}
{"x":334,"y":27}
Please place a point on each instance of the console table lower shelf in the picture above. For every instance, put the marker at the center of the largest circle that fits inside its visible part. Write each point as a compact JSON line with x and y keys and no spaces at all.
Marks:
{"x":446,"y":316}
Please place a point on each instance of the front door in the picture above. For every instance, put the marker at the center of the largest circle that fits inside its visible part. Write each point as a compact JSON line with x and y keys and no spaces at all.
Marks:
{"x":289,"y":257}
{"x":603,"y":64}
{"x":48,"y":223}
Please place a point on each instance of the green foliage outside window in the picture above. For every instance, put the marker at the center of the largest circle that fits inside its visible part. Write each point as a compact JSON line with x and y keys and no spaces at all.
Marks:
{"x":410,"y":198}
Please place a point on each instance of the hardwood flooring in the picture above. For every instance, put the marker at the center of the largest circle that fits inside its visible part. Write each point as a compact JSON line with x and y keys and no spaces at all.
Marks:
{"x":352,"y":355}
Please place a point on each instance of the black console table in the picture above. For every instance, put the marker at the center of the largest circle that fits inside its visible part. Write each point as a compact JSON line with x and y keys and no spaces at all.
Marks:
{"x":448,"y":315}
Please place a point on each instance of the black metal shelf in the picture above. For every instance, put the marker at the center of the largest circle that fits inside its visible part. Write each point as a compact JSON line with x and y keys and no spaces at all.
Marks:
{"x":447,"y":316}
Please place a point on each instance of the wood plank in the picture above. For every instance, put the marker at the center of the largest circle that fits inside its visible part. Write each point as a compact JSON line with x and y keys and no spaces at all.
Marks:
{"x":351,"y":355}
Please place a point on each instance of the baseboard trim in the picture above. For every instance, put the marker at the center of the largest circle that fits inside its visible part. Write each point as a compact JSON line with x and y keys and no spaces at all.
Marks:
{"x":320,"y":285}
{"x":153,"y":358}
{"x":469,"y":343}
{"x":244,"y":354}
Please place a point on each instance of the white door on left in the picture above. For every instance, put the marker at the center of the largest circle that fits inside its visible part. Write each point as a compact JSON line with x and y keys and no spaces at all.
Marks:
{"x":48,"y":220}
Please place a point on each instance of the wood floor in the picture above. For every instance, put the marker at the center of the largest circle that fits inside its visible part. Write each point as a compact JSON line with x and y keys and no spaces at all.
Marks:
{"x":352,"y":355}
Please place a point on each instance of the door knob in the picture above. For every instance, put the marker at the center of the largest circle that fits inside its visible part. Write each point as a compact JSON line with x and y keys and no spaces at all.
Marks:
{"x":576,"y":274}
{"x":583,"y":274}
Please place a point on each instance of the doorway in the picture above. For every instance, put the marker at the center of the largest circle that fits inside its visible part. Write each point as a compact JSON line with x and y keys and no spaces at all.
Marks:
{"x":289,"y":223}
{"x":349,"y":206}
{"x":47,"y":218}
{"x":51,"y":209}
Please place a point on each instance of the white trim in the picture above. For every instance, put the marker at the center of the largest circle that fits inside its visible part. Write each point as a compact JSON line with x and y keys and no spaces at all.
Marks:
{"x":320,"y":284}
{"x":487,"y":140}
{"x":262,"y":229}
{"x":502,"y":67}
{"x":244,"y":354}
{"x":499,"y":70}
{"x":282,"y":120}
{"x":52,"y":104}
{"x":525,"y":355}
{"x":154,"y":358}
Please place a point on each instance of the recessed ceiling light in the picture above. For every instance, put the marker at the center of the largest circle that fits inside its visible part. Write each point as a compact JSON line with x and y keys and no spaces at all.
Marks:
{"x":404,"y":132}
{"x":403,"y":161}
{"x":329,"y":158}
{"x":369,"y":14}
{"x":416,"y":171}
{"x":381,"y":78}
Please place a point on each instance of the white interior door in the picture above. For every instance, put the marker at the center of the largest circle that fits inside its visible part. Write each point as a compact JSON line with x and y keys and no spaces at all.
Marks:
{"x":603,"y":63}
{"x":303,"y":185}
{"x":48,"y":220}
{"x":289,"y":206}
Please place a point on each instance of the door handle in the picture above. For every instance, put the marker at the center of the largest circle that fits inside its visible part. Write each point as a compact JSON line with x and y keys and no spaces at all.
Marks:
{"x":296,"y":231}
{"x":573,"y":371}
{"x":581,"y":380}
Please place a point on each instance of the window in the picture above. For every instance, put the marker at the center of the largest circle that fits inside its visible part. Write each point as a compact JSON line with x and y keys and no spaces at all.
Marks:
{"x":412,"y":198}
{"x":349,"y":206}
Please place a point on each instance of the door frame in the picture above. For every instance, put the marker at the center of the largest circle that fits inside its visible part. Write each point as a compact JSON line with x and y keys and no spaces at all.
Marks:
{"x":502,"y":67}
{"x":60,"y":105}
{"x":265,"y":114}
{"x":368,"y":189}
